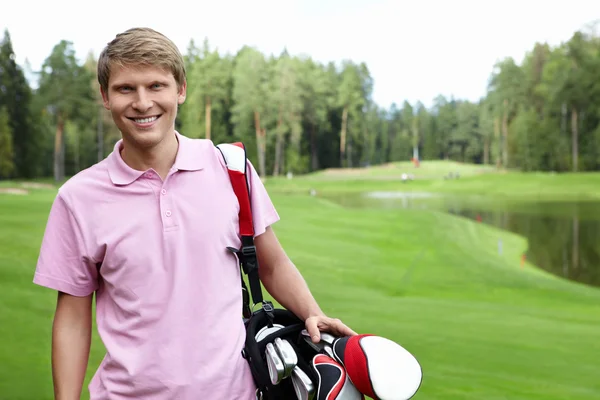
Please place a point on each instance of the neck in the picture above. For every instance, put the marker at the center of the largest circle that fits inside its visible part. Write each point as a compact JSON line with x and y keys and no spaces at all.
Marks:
{"x":160,"y":157}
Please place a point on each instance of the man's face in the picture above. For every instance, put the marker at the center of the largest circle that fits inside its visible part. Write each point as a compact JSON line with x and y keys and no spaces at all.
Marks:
{"x":143,"y":102}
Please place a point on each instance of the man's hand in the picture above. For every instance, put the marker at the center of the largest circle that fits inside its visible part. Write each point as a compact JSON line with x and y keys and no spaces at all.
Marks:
{"x":323,"y":323}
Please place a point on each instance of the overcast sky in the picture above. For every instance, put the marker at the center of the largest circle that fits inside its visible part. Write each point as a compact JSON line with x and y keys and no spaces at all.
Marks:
{"x":415,"y":50}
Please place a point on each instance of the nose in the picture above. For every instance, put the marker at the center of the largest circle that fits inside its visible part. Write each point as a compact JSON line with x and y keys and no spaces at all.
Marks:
{"x":143,"y":102}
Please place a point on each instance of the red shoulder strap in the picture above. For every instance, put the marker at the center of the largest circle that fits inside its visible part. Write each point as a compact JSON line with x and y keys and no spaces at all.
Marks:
{"x":236,"y":161}
{"x":237,"y":166}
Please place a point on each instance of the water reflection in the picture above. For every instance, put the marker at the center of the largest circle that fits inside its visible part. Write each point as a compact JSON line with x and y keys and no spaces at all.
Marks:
{"x":562,"y":236}
{"x":564,"y":246}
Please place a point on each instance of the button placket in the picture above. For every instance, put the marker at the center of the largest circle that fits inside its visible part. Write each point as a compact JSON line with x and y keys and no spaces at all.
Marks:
{"x":166,"y":209}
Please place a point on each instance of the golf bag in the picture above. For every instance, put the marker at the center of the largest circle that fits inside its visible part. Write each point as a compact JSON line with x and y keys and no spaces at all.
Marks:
{"x":284,"y":362}
{"x":268,"y":323}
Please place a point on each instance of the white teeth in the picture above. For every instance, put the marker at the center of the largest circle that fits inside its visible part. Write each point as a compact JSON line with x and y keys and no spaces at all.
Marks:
{"x":145,"y":120}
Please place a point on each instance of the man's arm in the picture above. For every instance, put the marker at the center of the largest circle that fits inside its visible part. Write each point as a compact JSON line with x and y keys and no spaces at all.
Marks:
{"x":284,"y":282}
{"x":71,"y":338}
{"x":282,"y":279}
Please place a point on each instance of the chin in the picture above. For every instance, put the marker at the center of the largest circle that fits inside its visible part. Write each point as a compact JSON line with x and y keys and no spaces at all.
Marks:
{"x":145,"y":139}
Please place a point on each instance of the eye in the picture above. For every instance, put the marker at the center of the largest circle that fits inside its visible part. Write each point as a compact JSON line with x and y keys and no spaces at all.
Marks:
{"x":156,"y":86}
{"x":125,"y":89}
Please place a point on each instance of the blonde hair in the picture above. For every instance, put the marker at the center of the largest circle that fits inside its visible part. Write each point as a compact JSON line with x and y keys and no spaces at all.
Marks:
{"x":141,"y":46}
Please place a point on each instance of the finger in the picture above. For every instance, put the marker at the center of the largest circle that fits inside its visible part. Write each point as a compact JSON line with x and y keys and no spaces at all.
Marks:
{"x":343,"y":329}
{"x":313,"y":330}
{"x":349,"y":332}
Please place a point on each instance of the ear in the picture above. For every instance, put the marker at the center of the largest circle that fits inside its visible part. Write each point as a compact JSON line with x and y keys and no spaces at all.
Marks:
{"x":104,"y":98}
{"x":181,"y":95}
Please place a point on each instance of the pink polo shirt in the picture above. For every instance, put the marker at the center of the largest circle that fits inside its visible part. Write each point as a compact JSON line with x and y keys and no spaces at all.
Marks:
{"x":168,"y":295}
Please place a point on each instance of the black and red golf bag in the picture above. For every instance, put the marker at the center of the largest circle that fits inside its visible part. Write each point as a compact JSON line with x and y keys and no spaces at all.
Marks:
{"x":284,"y":361}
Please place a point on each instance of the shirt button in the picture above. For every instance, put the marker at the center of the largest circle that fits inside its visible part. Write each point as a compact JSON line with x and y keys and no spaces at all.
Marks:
{"x":148,"y":174}
{"x":163,"y":191}
{"x":168,"y":213}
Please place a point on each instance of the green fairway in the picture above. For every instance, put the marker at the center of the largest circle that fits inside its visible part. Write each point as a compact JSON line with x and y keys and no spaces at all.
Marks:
{"x":483,"y":326}
{"x":430,"y":177}
{"x":426,"y":170}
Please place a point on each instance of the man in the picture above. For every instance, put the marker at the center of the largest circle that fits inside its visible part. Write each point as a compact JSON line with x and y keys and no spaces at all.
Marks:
{"x":146,"y":229}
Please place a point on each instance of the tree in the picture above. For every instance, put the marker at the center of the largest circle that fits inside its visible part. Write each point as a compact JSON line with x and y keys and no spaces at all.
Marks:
{"x":486,"y":129}
{"x":351,"y":98}
{"x":212,"y":73}
{"x":576,"y":86}
{"x":7,"y":166}
{"x":286,"y":96}
{"x":65,"y":88}
{"x":506,"y":84}
{"x":318,"y":95}
{"x":467,"y":143}
{"x":446,"y":124}
{"x":250,"y":86}
{"x":16,"y":97}
{"x":208,"y":83}
{"x":100,"y":120}
{"x":540,"y":114}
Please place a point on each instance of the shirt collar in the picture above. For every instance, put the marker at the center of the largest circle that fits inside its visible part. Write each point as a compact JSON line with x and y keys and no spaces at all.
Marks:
{"x":187,"y":159}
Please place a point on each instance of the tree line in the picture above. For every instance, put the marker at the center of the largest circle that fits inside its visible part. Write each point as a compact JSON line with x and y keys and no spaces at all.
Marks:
{"x":299,"y":115}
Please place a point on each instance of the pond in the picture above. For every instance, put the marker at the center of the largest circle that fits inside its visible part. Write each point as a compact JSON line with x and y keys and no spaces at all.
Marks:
{"x":562,"y":236}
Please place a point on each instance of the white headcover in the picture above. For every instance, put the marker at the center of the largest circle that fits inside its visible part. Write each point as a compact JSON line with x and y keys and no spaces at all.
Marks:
{"x":395,"y":373}
{"x":235,"y":156}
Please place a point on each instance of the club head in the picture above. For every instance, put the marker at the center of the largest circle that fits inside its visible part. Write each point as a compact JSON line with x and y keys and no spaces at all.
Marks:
{"x":318,"y":347}
{"x":266,"y":331}
{"x":329,"y":351}
{"x":275,"y":364}
{"x":287,"y":354}
{"x":326,"y":339}
{"x":303,"y":386}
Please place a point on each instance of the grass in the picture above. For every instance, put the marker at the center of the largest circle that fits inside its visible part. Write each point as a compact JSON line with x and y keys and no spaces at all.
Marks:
{"x":426,"y":170}
{"x":429,"y":177}
{"x":481,"y":325}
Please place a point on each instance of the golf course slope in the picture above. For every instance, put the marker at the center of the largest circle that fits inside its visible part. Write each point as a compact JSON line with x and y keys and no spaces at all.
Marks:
{"x":482,"y":325}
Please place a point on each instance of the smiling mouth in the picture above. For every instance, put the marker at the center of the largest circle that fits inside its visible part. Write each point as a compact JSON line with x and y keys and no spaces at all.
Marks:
{"x":145,"y":120}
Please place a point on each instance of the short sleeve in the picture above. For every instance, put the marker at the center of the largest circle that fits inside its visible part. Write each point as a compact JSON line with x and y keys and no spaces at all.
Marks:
{"x":63,"y":264}
{"x":263,"y":210}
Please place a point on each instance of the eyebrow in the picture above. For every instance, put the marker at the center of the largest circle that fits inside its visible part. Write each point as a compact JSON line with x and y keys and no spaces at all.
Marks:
{"x":117,"y":85}
{"x":164,"y":83}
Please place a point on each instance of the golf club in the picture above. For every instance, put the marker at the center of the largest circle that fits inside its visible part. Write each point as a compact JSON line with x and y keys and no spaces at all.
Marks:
{"x":303,"y":386}
{"x":329,"y":351}
{"x":274,"y":363}
{"x":326,"y":338}
{"x":287,"y":355}
{"x":266,"y":331}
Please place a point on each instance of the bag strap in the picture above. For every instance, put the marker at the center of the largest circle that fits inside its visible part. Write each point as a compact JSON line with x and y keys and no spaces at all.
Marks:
{"x":236,"y":161}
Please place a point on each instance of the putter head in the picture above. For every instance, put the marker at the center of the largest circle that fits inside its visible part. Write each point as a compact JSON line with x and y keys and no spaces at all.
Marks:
{"x":275,"y":364}
{"x":287,"y":354}
{"x":303,"y":386}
